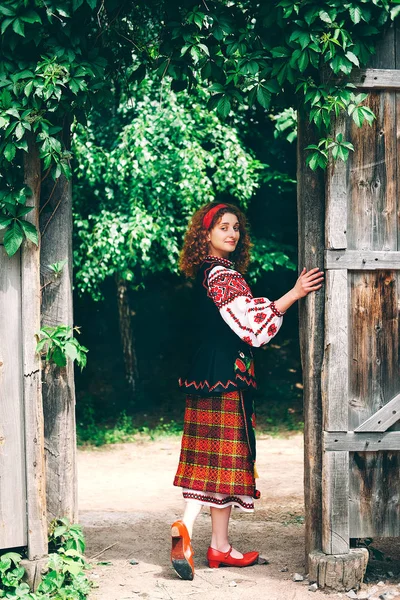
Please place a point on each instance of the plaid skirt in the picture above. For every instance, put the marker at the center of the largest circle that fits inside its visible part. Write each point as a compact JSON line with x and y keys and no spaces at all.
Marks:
{"x":218,"y":447}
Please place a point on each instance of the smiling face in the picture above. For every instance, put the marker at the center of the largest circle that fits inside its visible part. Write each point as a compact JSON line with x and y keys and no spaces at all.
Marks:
{"x":224,"y":236}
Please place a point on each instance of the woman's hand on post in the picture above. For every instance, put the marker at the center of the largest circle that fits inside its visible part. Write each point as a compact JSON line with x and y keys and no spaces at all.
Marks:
{"x":308,"y":281}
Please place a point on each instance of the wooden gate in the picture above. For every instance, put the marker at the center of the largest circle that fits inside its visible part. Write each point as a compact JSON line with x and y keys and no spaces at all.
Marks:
{"x":13,"y":523}
{"x":360,"y":375}
{"x":351,"y":361}
{"x":22,"y":466}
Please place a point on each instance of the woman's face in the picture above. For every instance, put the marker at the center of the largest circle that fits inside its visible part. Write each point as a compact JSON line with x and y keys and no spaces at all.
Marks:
{"x":224,"y":236}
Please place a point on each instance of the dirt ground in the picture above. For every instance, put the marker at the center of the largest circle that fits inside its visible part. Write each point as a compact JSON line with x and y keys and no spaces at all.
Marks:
{"x":127,"y":503}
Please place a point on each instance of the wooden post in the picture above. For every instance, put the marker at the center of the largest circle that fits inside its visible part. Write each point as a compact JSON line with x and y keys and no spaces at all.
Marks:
{"x":33,"y":410}
{"x":58,"y":383}
{"x":311,"y":206}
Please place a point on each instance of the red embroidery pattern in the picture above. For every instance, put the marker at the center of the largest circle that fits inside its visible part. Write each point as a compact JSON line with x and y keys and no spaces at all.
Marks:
{"x":263,"y":326}
{"x":257,"y":308}
{"x":259,"y":301}
{"x":277,"y":312}
{"x":272,"y":329}
{"x":218,"y":259}
{"x":205,"y":384}
{"x":247,"y":339}
{"x":217,"y":501}
{"x":237,"y":321}
{"x":260,"y":317}
{"x":226,"y":286}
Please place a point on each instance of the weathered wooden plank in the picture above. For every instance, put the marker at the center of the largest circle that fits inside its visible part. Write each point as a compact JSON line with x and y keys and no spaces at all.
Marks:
{"x":384,"y":418}
{"x":361,"y":442}
{"x":335,"y":365}
{"x":310,"y":200}
{"x":374,"y":344}
{"x":34,"y":429}
{"x":335,"y":502}
{"x":362,"y":260}
{"x":374,"y":324}
{"x":376,"y":79}
{"x":58,"y":388}
{"x":372,"y":219}
{"x":13,"y":523}
{"x":374,"y":494}
{"x":336,"y":196}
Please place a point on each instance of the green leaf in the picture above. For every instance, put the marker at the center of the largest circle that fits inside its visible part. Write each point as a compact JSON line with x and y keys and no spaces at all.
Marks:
{"x":224,"y":106}
{"x":71,"y":350}
{"x":19,"y":131}
{"x":6,"y":23}
{"x":30,"y":16}
{"x":59,"y":357}
{"x":23,"y":210}
{"x":19,"y":27}
{"x":263,"y":96}
{"x":5,"y":221}
{"x":355,"y":14}
{"x":358,"y":117}
{"x":13,"y":239}
{"x":30,"y":231}
{"x":303,"y":61}
{"x":9,"y":152}
{"x":352,"y":58}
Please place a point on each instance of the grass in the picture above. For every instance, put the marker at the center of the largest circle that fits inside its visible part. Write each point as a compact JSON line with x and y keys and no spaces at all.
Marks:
{"x":273,"y":418}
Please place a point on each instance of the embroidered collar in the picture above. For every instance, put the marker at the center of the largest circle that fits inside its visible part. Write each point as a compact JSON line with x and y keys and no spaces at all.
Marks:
{"x":223,"y":261}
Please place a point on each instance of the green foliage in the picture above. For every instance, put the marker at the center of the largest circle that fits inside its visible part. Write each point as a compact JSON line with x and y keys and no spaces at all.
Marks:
{"x":261,"y":53}
{"x":286,"y":124}
{"x":58,"y":344}
{"x":266,"y":255}
{"x":141,"y":177}
{"x":65,"y":578}
{"x":90,"y":432}
{"x":61,"y":59}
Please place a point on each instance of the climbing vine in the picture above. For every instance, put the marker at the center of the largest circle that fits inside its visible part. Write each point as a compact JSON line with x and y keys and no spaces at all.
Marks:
{"x":61,"y":58}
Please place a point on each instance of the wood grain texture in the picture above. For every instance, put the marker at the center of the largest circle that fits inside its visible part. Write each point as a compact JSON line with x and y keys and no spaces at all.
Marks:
{"x":13,"y":523}
{"x":310,"y":200}
{"x":363,"y":442}
{"x":335,"y":502}
{"x":362,"y":260}
{"x":336,"y":197}
{"x":374,"y":494}
{"x":374,"y":318}
{"x":376,"y":79}
{"x":384,"y":418}
{"x":338,"y":572}
{"x":34,"y":426}
{"x":58,"y":383}
{"x":335,"y":379}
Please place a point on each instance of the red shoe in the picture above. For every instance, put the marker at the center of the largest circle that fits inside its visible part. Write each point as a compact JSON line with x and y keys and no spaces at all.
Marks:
{"x":216,"y":558}
{"x":182,"y":552}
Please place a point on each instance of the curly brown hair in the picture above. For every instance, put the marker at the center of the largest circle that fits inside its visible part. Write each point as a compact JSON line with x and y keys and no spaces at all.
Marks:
{"x":195,"y":244}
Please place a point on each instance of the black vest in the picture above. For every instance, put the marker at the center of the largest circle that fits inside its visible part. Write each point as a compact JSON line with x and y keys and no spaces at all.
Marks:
{"x":222,"y":362}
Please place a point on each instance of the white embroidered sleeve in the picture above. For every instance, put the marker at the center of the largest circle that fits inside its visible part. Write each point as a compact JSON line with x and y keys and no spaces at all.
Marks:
{"x":255,"y":320}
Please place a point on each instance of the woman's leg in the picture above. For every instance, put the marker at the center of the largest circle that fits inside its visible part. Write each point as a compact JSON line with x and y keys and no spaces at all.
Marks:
{"x":192,"y":511}
{"x":219,"y":537}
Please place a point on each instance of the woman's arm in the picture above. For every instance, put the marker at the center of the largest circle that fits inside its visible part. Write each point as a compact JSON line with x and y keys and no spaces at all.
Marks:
{"x":308,"y":281}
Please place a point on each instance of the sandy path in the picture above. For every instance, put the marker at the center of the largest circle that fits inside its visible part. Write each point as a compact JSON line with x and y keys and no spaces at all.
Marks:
{"x":127,"y":502}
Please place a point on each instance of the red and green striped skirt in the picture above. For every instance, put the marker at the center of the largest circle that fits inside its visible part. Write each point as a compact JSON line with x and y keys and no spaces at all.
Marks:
{"x":218,"y":446}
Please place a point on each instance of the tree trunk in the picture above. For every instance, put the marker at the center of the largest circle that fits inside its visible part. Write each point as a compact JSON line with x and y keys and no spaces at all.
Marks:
{"x":126,"y":332}
{"x":311,"y":207}
{"x":58,"y":383}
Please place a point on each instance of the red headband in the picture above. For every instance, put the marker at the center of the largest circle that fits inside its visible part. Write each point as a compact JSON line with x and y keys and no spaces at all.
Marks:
{"x":208,"y":217}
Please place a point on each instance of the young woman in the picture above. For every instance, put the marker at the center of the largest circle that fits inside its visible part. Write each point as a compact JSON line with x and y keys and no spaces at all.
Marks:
{"x":217,"y":460}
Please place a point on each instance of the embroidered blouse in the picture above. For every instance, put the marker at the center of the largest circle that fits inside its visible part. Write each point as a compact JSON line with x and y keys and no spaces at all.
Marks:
{"x":224,"y":359}
{"x":255,"y":320}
